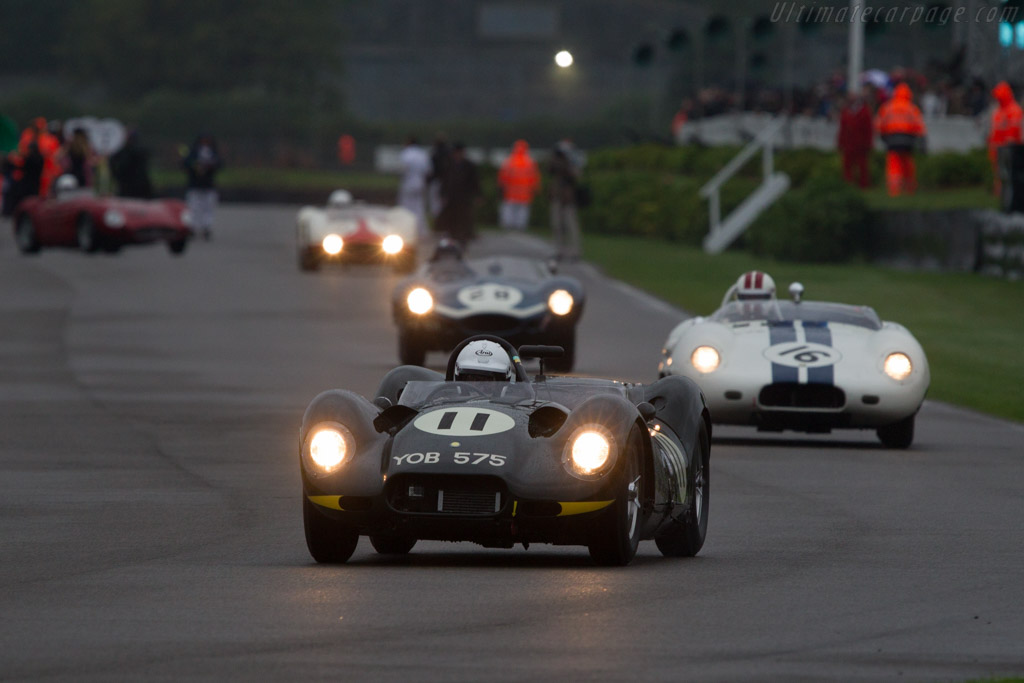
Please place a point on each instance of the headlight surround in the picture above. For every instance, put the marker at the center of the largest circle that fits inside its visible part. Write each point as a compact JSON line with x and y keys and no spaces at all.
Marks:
{"x":590,"y":452}
{"x":898,"y":366}
{"x":705,"y":359}
{"x":560,"y":302}
{"x":333,"y":244}
{"x":392,"y":244}
{"x":419,"y":301}
{"x":328,"y":446}
{"x":113,"y":218}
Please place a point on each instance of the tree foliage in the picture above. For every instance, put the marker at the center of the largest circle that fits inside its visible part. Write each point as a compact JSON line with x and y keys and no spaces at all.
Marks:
{"x":202,"y":46}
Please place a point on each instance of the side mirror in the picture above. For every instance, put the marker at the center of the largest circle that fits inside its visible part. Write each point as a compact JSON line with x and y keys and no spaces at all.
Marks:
{"x":796,"y":290}
{"x":647,"y":410}
{"x":382,"y":402}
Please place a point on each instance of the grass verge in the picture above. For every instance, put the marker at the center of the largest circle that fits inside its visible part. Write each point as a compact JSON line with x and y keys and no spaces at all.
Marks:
{"x":969,"y":325}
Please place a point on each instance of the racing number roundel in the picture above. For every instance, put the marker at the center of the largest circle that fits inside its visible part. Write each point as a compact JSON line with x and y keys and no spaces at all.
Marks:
{"x":802,"y":354}
{"x":489,"y":296}
{"x":464,"y":421}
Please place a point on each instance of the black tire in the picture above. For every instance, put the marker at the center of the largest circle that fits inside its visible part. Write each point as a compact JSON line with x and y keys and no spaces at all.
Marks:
{"x":177,"y":247}
{"x":25,"y":235}
{"x":406,"y":262}
{"x":308,"y":260}
{"x":392,"y":545}
{"x":329,"y":541}
{"x":686,"y":538}
{"x":615,"y":542}
{"x":85,"y":233}
{"x":898,"y":434}
{"x":410,"y":350}
{"x":568,"y":359}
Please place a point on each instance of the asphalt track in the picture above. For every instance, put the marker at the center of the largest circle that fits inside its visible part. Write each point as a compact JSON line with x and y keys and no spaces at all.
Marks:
{"x":150,"y":526}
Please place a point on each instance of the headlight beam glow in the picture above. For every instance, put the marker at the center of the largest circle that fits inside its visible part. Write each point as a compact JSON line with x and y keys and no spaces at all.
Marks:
{"x":333,"y":244}
{"x":392,"y":244}
{"x":419,"y":301}
{"x":705,"y":359}
{"x":898,"y":366}
{"x":560,"y":302}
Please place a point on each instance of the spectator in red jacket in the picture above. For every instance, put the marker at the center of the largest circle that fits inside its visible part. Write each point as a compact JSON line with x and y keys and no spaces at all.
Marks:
{"x":519,"y":179}
{"x":856,"y":133}
{"x":1004,"y":127}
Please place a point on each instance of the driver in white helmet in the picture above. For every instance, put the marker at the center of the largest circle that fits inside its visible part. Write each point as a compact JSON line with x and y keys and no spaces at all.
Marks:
{"x":754,"y":285}
{"x":483,"y":361}
{"x":339,"y":199}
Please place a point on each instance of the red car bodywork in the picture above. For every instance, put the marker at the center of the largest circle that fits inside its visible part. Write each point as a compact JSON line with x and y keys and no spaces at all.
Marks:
{"x":89,"y":222}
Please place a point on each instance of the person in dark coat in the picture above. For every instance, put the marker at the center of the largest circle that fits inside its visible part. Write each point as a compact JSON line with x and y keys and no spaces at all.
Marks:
{"x":460,"y":187}
{"x":201,"y":164}
{"x":130,"y":168}
{"x":856,"y":135}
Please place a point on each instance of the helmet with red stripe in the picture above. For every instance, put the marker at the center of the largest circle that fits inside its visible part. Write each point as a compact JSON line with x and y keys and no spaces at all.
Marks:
{"x":755,"y":285}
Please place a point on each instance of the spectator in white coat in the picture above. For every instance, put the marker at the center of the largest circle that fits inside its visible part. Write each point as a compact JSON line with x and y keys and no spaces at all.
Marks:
{"x":412,"y":191}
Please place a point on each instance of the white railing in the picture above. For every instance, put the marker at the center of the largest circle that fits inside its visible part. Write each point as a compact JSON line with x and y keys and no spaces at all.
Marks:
{"x":723,"y":233}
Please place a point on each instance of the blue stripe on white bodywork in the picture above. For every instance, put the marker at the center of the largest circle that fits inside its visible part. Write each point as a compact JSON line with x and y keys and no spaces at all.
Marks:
{"x":780,"y":333}
{"x":819,"y":333}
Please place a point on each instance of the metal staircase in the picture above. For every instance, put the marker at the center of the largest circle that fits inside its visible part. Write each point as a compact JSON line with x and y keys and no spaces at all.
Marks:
{"x":774,"y":185}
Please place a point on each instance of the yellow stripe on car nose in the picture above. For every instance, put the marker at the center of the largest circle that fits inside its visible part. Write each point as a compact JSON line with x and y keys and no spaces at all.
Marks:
{"x":581,"y":508}
{"x":332,"y":502}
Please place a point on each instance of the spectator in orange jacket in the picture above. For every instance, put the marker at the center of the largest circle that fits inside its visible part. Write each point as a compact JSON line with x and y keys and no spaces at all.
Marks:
{"x":855,"y":137}
{"x":519,"y":178}
{"x":1004,"y":127}
{"x":901,"y":126}
{"x":48,"y":145}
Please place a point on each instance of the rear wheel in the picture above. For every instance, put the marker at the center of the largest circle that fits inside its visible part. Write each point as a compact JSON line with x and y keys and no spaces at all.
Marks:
{"x":898,"y":434}
{"x":25,"y":235}
{"x":685,"y":538}
{"x":614,"y":544}
{"x":85,"y":230}
{"x":410,"y":349}
{"x":392,"y":545}
{"x":329,"y":541}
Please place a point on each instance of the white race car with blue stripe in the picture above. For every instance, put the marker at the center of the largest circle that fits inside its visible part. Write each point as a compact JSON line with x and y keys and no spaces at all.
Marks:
{"x":809,"y":366}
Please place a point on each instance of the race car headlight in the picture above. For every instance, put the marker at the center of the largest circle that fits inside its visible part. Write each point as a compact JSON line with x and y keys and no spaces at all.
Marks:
{"x":327,"y":448}
{"x":588,"y":453}
{"x":705,"y":359}
{"x":332,"y":244}
{"x":419,"y":301}
{"x":113,"y":218}
{"x":898,"y":366}
{"x":186,"y":218}
{"x":560,"y":302}
{"x":392,"y":244}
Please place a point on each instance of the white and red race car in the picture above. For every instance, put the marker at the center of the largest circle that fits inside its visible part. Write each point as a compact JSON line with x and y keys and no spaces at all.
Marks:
{"x":353,"y":231}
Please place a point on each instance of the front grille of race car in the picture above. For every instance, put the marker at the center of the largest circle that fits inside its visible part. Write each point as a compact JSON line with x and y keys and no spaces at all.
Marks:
{"x":446,"y":495}
{"x":793,"y":395}
{"x":491,"y":323}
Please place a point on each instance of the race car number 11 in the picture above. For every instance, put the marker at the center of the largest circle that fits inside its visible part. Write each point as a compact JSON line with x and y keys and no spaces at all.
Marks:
{"x":457,"y":458}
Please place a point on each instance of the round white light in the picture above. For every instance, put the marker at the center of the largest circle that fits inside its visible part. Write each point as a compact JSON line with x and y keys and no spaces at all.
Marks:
{"x":392,"y":244}
{"x":333,"y":244}
{"x":563,"y":59}
{"x":327,"y":449}
{"x":419,"y":301}
{"x":705,"y":359}
{"x":560,"y":302}
{"x":897,"y":366}
{"x":590,"y":452}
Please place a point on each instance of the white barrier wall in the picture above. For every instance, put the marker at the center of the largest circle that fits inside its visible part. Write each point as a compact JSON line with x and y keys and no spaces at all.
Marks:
{"x":948,"y":133}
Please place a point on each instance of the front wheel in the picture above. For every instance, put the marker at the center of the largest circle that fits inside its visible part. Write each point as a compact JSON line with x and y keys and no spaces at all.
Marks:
{"x":410,"y":349}
{"x":25,"y":235}
{"x":615,"y":543}
{"x":898,"y":434}
{"x":308,"y":260}
{"x":177,"y":247}
{"x":88,"y":240}
{"x":685,"y":538}
{"x":329,"y":541}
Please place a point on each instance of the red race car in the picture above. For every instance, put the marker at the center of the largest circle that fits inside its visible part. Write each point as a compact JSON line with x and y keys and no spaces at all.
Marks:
{"x":76,"y":217}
